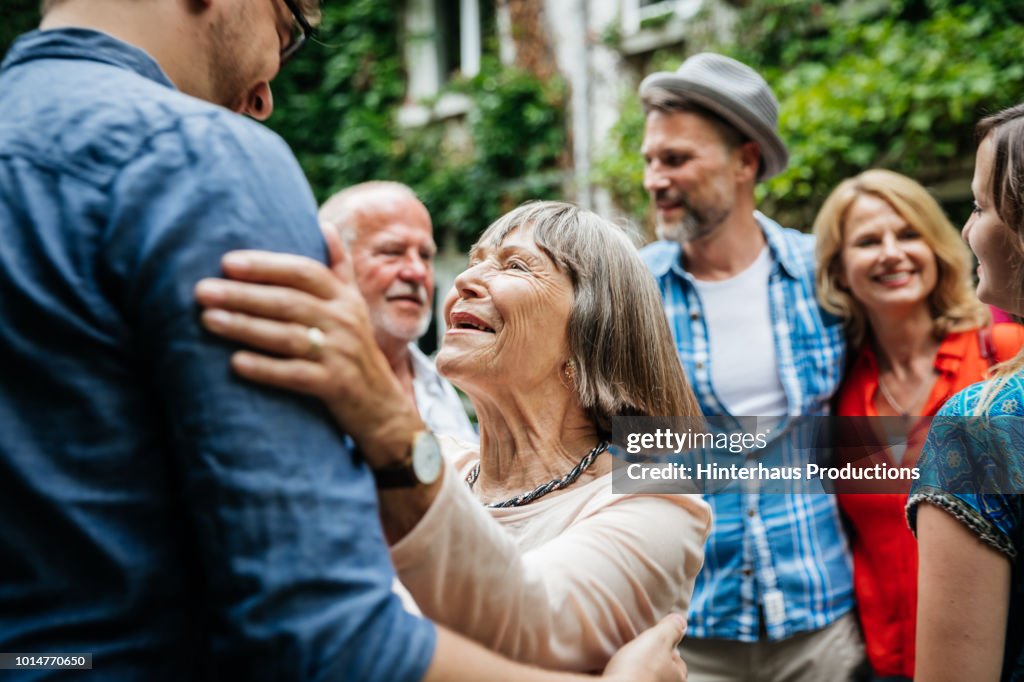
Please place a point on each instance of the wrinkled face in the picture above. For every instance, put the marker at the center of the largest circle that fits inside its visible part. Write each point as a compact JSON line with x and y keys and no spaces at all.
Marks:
{"x":885,"y":262}
{"x":393,"y":259}
{"x":688,"y":171}
{"x":991,"y":240}
{"x":245,"y":43}
{"x":508,"y":318}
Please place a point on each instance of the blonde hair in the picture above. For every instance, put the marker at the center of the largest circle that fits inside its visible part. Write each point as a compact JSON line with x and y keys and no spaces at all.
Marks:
{"x":1007,"y":190}
{"x":619,"y":339}
{"x":953,"y":303}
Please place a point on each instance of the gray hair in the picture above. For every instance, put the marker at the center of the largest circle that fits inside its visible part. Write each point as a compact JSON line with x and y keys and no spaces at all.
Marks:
{"x":619,"y":340}
{"x":347,"y":208}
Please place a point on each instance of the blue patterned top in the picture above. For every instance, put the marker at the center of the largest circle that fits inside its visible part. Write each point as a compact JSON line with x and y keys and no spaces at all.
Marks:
{"x":783,"y":555}
{"x":973,"y":468}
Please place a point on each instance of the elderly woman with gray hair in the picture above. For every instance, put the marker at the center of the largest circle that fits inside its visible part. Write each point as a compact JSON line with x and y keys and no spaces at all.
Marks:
{"x":555,"y":328}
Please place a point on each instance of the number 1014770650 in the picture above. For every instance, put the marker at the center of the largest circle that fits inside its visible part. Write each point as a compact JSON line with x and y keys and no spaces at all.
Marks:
{"x":45,"y":661}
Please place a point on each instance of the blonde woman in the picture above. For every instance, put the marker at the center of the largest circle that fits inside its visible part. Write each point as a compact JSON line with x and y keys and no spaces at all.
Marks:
{"x":893,"y":267}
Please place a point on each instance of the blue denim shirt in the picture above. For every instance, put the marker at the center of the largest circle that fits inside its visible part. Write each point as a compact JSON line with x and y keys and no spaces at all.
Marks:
{"x":783,"y":556}
{"x":156,"y":511}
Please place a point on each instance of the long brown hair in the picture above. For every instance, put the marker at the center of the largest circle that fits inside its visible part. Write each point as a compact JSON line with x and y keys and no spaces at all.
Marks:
{"x":1006,"y":129}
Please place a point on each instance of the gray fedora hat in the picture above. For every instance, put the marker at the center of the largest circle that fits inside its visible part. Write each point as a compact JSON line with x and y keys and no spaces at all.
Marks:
{"x":735,"y":92}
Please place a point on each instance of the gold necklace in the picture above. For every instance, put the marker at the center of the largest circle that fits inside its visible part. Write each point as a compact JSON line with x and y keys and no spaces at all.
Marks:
{"x":892,"y":401}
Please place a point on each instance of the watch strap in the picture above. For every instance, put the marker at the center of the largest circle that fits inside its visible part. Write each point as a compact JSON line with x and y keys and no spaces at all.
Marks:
{"x":398,"y":476}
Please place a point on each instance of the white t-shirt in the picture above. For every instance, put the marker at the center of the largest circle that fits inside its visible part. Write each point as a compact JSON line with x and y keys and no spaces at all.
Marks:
{"x":737,"y":312}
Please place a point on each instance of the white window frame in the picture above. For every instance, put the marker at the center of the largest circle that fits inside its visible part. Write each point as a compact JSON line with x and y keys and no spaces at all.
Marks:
{"x":637,"y":39}
{"x":633,"y":15}
{"x":423,"y":63}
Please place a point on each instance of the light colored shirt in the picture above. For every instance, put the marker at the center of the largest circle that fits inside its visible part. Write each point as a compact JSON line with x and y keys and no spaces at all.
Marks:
{"x":562,"y":582}
{"x":742,"y":360}
{"x":439,"y":405}
{"x":784,"y":554}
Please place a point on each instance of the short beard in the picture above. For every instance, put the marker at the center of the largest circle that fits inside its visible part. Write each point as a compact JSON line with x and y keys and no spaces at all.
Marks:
{"x":383,"y":324}
{"x":224,"y":68}
{"x":686,"y":229}
{"x":692,"y":226}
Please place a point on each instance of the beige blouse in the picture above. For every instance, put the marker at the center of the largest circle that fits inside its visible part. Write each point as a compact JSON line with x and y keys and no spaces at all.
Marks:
{"x":562,"y":582}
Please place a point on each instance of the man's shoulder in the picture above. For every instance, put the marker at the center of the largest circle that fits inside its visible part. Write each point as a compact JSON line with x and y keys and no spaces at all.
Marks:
{"x":794,"y":250}
{"x":199,"y":131}
{"x":792,"y":241}
{"x":660,"y":255}
{"x":94,"y":119}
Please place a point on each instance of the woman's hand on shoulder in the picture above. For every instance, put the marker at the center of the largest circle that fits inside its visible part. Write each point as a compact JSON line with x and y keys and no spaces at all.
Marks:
{"x":313,"y":329}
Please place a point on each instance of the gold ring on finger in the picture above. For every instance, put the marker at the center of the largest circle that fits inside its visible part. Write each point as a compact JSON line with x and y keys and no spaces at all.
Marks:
{"x":316,"y":339}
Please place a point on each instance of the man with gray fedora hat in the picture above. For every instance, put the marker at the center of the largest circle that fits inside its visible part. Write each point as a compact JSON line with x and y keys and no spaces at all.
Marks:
{"x":775,"y":597}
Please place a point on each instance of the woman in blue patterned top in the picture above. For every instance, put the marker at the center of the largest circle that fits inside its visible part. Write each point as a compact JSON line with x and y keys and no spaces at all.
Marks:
{"x":970,"y":619}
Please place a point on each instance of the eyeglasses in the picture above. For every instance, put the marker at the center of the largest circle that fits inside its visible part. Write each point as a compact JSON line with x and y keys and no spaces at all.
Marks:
{"x":301,"y":31}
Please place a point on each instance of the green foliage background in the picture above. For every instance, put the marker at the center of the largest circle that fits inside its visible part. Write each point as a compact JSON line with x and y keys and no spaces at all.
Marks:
{"x":897,"y":84}
{"x":889,"y":83}
{"x":337,"y":104}
{"x":19,"y":16}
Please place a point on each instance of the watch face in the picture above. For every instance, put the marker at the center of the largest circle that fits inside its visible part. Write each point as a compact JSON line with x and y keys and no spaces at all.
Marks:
{"x":426,"y":457}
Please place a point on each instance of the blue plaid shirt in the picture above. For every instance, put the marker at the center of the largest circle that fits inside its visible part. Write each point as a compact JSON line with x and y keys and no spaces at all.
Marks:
{"x":783,"y":556}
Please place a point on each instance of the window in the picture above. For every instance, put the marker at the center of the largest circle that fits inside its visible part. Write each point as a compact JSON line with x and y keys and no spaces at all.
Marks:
{"x":444,"y":39}
{"x":642,"y":14}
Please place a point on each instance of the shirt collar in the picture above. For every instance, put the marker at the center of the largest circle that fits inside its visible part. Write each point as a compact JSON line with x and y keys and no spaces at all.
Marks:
{"x":421,"y":365}
{"x":950,"y":354}
{"x":667,"y":255}
{"x":81,"y":43}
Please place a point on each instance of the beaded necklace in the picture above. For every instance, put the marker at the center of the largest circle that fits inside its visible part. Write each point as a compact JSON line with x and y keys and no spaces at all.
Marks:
{"x":544,"y":489}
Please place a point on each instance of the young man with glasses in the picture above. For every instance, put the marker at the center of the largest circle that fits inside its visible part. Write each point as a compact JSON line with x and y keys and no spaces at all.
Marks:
{"x":157,"y":514}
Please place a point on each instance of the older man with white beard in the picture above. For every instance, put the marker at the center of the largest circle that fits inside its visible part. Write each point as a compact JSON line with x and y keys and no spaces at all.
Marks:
{"x":389,"y":233}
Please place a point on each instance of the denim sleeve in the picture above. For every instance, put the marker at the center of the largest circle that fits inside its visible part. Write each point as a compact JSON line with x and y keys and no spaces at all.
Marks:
{"x":296,"y":570}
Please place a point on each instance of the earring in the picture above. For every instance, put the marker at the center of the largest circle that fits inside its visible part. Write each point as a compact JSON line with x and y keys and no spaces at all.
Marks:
{"x":570,"y":369}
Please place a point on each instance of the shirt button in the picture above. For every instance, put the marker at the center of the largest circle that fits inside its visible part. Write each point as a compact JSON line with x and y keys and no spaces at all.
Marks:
{"x":751,"y":513}
{"x":700,"y":364}
{"x":747,"y":572}
{"x":694,"y":316}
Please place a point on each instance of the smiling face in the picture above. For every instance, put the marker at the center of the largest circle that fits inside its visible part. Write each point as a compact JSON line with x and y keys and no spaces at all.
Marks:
{"x":991,"y":240}
{"x":507,"y":317}
{"x":393,"y":259}
{"x":885,"y":262}
{"x":690,"y":173}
